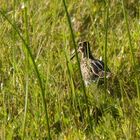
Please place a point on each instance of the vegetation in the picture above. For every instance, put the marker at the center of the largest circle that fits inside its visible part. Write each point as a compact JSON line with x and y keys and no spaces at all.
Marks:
{"x":42,"y":95}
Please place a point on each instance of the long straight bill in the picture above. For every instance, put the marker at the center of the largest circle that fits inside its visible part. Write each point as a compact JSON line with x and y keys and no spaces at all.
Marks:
{"x":73,"y":54}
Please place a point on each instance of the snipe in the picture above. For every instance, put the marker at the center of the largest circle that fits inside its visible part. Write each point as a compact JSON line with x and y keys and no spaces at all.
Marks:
{"x":92,"y":69}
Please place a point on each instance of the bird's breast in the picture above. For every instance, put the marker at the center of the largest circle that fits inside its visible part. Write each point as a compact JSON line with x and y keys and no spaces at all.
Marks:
{"x":86,"y":70}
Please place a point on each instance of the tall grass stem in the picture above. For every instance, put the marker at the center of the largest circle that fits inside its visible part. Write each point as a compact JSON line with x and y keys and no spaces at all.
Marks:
{"x":27,"y":67}
{"x":131,"y":48}
{"x":106,"y":40}
{"x":35,"y":68}
{"x":74,"y":43}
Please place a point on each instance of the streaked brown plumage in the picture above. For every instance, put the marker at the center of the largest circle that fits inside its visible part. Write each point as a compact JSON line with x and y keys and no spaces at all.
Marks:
{"x":92,"y":69}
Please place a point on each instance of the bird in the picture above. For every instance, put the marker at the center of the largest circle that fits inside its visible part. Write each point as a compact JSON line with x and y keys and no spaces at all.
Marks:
{"x":92,"y":69}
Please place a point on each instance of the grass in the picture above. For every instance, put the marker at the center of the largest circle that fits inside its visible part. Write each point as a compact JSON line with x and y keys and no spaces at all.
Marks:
{"x":42,"y":96}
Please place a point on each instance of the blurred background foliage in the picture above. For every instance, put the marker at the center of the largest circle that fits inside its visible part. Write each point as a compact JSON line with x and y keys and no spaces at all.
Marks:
{"x":50,"y":39}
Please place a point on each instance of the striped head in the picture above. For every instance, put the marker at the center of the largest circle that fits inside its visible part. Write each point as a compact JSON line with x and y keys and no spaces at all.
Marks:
{"x":84,"y":49}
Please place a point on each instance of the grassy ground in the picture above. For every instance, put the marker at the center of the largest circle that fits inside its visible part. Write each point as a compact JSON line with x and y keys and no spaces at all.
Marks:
{"x":41,"y":94}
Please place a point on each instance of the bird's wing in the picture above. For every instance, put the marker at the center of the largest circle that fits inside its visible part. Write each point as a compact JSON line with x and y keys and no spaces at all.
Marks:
{"x":97,"y":68}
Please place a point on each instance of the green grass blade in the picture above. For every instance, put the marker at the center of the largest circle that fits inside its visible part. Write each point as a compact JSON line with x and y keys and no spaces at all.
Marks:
{"x":74,"y":43}
{"x":35,"y":67}
{"x":27,"y":69}
{"x":131,"y":48}
{"x":106,"y":40}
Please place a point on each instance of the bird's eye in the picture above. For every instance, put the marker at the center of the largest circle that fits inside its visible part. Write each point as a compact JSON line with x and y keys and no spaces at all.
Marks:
{"x":80,"y":44}
{"x":81,"y":48}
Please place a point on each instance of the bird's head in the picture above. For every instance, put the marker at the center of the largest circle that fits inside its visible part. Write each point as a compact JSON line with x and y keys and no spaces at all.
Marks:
{"x":84,"y":49}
